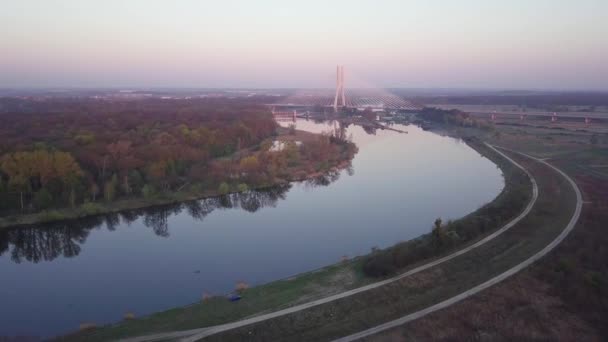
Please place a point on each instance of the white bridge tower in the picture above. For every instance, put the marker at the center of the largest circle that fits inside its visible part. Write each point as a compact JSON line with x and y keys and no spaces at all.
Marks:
{"x":340,"y":99}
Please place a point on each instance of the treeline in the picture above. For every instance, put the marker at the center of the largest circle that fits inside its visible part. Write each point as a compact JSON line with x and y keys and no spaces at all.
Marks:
{"x":447,"y":236}
{"x":95,"y":149}
{"x":453,"y":117}
{"x":83,"y":153}
{"x":43,"y":173}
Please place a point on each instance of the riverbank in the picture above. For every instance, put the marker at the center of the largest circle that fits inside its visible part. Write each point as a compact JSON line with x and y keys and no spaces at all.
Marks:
{"x":560,"y":297}
{"x":417,"y":292}
{"x":192,"y":191}
{"x":265,"y":298}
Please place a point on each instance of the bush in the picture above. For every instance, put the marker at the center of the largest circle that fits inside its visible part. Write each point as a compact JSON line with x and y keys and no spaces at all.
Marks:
{"x":439,"y":234}
{"x":148,"y":191}
{"x":197,"y":188}
{"x":224,"y":188}
{"x":242,"y":187}
{"x":91,"y":208}
{"x":241,"y":286}
{"x":379,"y":264}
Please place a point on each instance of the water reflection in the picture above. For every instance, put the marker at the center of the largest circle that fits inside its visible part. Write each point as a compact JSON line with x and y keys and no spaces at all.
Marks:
{"x":401,"y":185}
{"x":37,"y":244}
{"x":46,"y":242}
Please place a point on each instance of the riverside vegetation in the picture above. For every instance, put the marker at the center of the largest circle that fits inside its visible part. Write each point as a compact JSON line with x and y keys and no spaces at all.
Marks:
{"x":66,"y":158}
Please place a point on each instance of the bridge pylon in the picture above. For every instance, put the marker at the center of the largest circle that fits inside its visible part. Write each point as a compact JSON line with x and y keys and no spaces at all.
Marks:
{"x":339,"y":99}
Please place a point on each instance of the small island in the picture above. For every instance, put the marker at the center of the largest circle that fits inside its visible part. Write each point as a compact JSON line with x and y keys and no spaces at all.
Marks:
{"x":87,"y":156}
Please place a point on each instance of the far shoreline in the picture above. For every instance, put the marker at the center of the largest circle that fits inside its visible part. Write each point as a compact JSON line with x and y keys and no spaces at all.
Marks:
{"x":100,"y":208}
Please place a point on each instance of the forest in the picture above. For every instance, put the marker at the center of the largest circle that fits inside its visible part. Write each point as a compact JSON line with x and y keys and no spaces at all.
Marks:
{"x":88,"y":153}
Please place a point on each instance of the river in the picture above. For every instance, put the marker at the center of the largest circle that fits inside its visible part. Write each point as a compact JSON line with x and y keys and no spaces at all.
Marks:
{"x":56,"y":276}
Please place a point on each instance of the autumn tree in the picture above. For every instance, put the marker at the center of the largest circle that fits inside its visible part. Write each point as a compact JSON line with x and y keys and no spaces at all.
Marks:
{"x":30,"y":171}
{"x":85,"y":149}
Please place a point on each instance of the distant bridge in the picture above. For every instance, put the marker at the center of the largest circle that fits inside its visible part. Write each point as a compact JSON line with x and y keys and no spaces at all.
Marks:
{"x":360,"y":99}
{"x":355,"y":99}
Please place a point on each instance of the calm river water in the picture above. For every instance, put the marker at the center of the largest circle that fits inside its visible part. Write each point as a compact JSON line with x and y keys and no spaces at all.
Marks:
{"x":56,"y":276}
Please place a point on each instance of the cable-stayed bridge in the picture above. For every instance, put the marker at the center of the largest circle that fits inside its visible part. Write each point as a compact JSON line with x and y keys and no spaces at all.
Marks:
{"x":344,"y":98}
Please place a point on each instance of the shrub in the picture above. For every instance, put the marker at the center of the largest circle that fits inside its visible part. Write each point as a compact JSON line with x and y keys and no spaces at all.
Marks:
{"x":241,"y":286}
{"x":197,"y":188}
{"x":379,"y":265}
{"x":224,"y":188}
{"x":148,"y":191}
{"x":91,"y":208}
{"x":439,"y":234}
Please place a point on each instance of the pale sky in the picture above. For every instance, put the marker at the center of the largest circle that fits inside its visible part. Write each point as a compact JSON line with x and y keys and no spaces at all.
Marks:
{"x":524,"y":44}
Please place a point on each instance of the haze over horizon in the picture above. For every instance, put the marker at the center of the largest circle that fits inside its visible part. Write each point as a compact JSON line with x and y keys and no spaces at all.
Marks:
{"x":274,"y":44}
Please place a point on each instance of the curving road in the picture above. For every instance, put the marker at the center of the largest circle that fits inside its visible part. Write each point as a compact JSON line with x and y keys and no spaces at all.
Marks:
{"x":197,"y":334}
{"x":493,"y":281}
